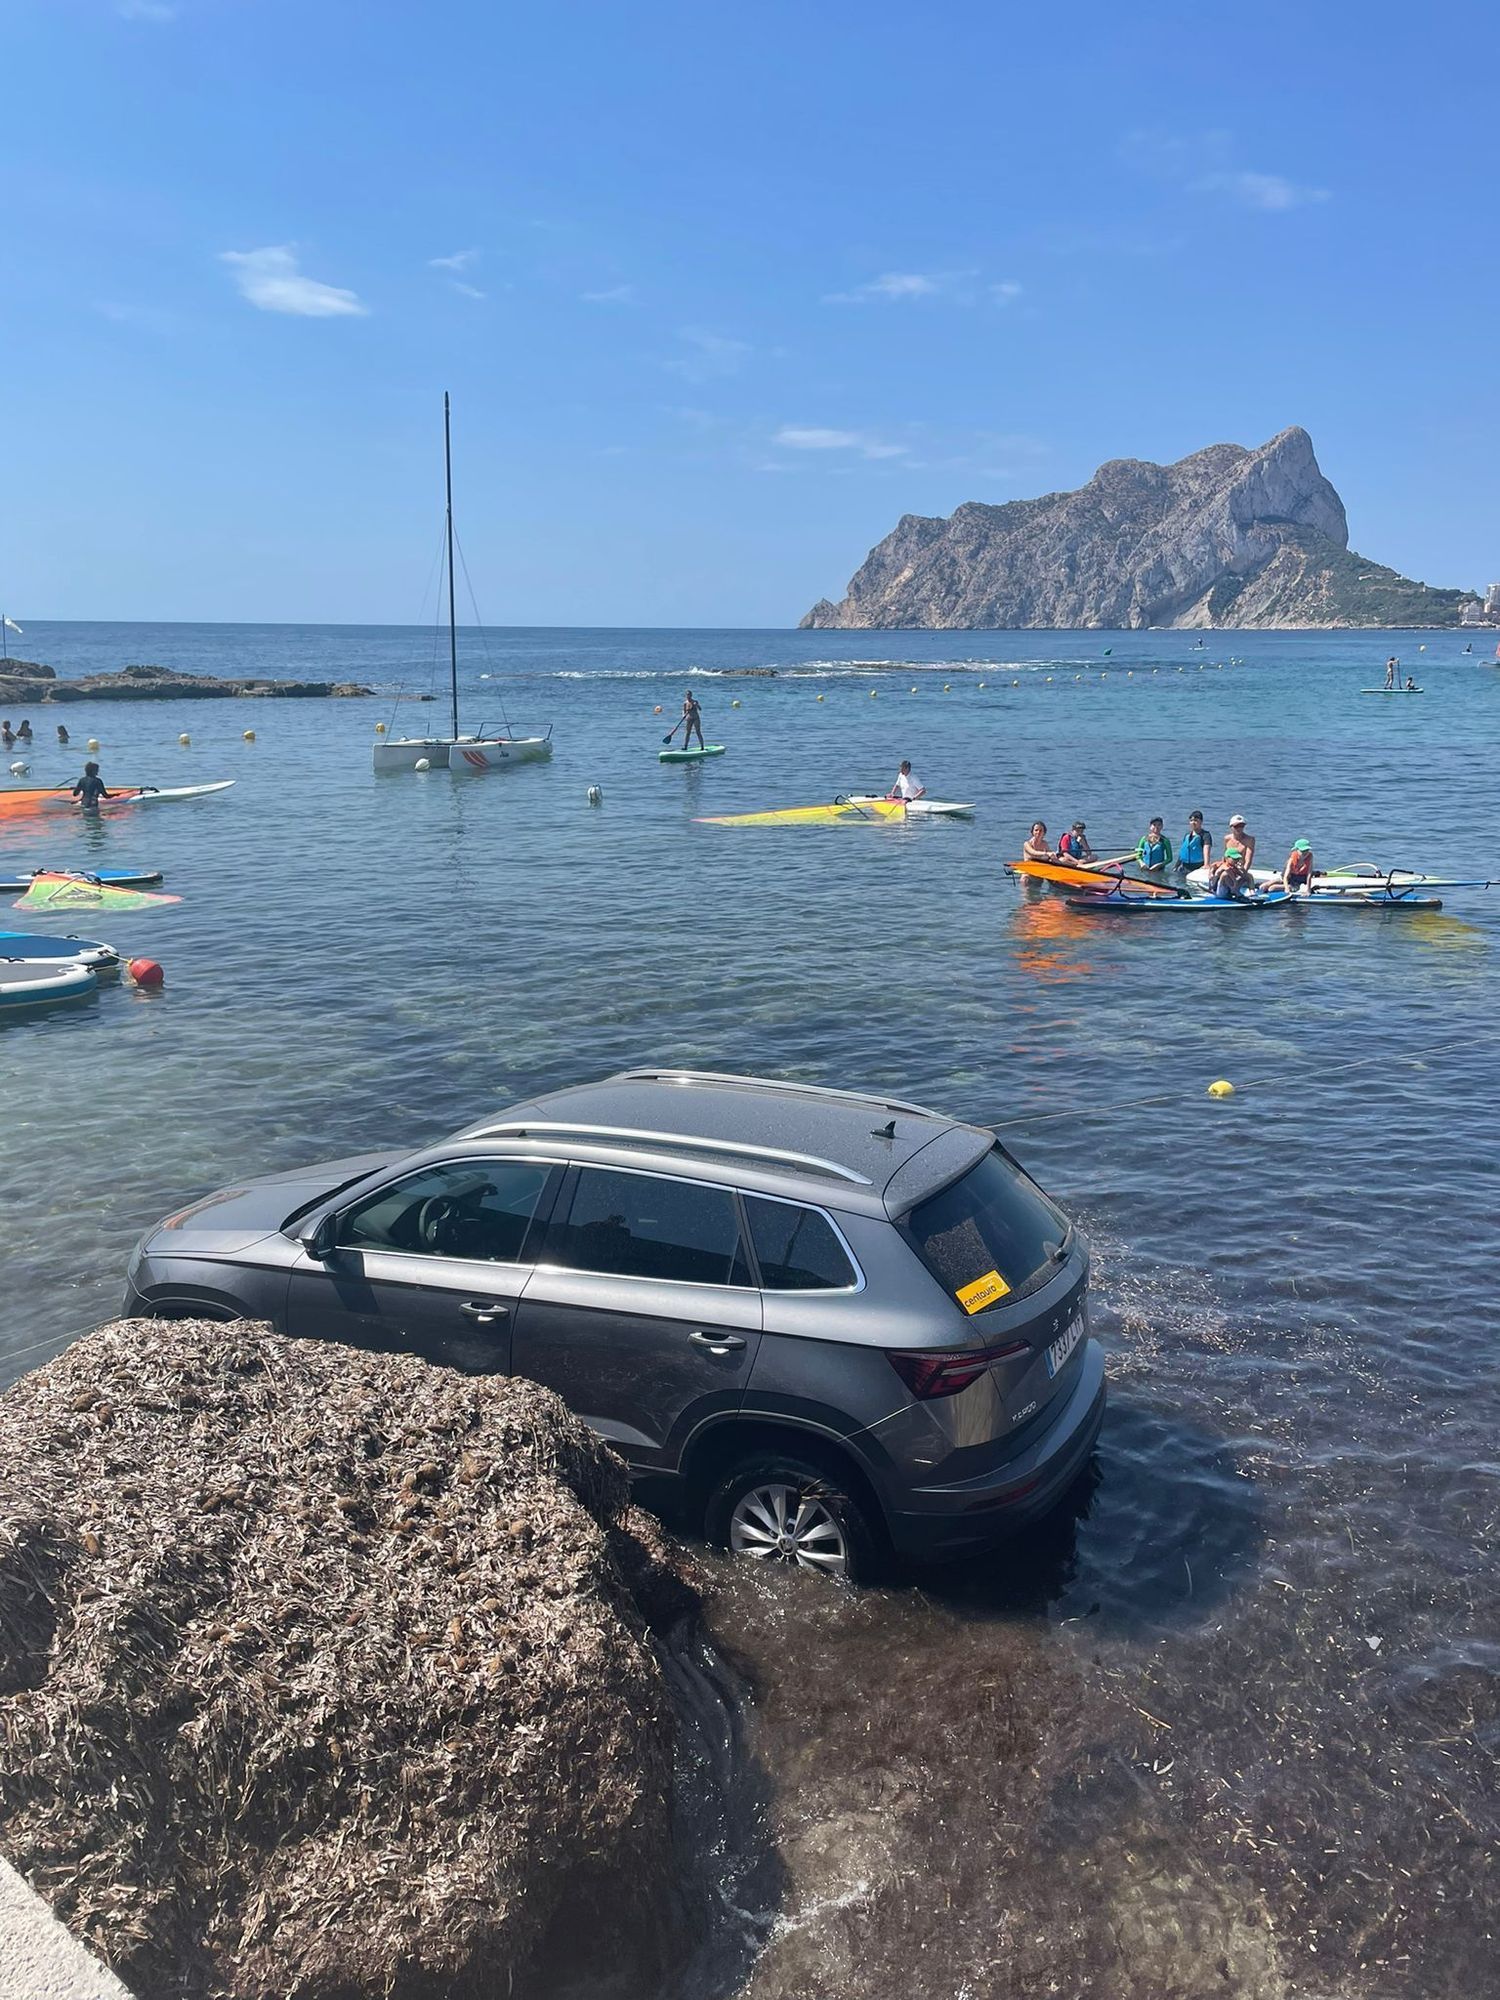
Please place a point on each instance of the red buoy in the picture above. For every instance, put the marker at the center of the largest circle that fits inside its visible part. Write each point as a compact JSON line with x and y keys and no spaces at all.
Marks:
{"x":145,"y":972}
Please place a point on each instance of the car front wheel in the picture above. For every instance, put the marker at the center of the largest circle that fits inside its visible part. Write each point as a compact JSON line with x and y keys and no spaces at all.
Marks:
{"x":777,"y":1507}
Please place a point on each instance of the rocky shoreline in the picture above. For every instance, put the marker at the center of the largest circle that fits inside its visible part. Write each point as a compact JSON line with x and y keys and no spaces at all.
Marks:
{"x":26,"y":683}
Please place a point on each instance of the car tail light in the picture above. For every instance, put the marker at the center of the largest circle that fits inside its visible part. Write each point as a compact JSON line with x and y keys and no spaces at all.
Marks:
{"x":944,"y":1371}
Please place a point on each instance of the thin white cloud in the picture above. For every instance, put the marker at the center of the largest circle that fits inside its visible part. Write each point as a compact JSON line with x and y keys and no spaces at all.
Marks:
{"x":706,"y":355}
{"x":612,"y":295}
{"x":815,"y":437}
{"x":270,"y":280}
{"x":145,"y":10}
{"x":467,"y":290}
{"x":1006,"y":292}
{"x":890,"y":287}
{"x":1204,"y":163}
{"x":1272,"y":193}
{"x":459,"y":260}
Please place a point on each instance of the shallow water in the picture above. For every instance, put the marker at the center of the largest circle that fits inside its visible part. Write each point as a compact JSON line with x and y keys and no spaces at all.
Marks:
{"x":1231,"y":1728}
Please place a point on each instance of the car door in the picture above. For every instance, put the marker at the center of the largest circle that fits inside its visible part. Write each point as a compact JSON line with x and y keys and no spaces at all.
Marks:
{"x":642,"y":1311}
{"x":432,"y":1262}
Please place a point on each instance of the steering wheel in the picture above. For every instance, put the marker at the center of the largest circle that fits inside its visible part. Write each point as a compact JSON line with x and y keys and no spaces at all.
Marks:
{"x":435,"y":1218}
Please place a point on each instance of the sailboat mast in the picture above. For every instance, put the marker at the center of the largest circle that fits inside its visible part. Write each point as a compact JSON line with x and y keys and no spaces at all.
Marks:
{"x":452,"y":623}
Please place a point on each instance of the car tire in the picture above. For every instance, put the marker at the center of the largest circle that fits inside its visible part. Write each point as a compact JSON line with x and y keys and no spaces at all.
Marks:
{"x":781,"y":1507}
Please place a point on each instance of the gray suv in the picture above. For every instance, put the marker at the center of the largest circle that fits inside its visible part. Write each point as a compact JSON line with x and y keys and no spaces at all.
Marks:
{"x":840,"y":1324}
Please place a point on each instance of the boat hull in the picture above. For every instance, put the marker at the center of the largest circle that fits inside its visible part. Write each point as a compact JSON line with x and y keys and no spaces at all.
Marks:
{"x":475,"y":754}
{"x":406,"y":752}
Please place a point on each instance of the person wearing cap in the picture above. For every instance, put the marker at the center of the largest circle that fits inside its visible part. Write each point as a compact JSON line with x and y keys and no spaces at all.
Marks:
{"x":1153,"y":849}
{"x":1197,"y":849}
{"x":1299,"y":869}
{"x":1232,"y":880}
{"x":1243,"y":840}
{"x":1075,"y":843}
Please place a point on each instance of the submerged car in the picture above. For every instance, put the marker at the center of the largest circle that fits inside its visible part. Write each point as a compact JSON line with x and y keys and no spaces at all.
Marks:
{"x":841,"y":1325}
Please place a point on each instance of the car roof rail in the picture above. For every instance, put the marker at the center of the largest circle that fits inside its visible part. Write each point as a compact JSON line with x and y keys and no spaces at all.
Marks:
{"x":872,"y":1098}
{"x":634,"y":1135}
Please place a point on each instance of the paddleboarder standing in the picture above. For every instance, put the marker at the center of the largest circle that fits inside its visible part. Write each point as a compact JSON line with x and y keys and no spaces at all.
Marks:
{"x":1390,"y":671}
{"x":692,"y":720}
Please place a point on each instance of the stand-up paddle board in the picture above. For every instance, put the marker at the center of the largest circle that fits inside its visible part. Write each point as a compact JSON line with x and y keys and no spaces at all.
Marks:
{"x":18,"y":800}
{"x":116,"y":878}
{"x":690,"y":756}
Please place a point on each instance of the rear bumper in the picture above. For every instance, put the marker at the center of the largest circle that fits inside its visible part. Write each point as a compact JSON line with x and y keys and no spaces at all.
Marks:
{"x":978,"y":1514}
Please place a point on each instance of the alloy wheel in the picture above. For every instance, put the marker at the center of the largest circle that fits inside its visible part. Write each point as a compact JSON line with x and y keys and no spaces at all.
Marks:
{"x":777,"y":1522}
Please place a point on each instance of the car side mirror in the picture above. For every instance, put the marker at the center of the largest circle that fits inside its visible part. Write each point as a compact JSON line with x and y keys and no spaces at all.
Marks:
{"x":319,"y":1241}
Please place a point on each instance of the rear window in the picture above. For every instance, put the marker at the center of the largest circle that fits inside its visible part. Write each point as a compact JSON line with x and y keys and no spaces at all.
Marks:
{"x":797,"y":1248}
{"x":991,"y":1236}
{"x":644,"y":1226}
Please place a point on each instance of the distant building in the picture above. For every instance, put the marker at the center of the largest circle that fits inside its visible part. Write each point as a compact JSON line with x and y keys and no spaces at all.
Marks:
{"x":1488,"y":613}
{"x":1492,"y":601}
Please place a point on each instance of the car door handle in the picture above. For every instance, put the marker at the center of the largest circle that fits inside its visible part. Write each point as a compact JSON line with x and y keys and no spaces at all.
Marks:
{"x":717,"y":1343}
{"x":486,"y":1311}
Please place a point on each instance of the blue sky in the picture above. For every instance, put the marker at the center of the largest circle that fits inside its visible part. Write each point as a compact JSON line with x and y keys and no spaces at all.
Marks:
{"x":719,"y":292}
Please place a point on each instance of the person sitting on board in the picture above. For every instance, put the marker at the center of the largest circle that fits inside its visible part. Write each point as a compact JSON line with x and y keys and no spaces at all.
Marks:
{"x":1035,"y":847}
{"x":1410,"y":688}
{"x":1197,"y":849}
{"x":89,"y":789}
{"x":1232,"y":880}
{"x":906,"y":786}
{"x":1075,"y":843}
{"x":1153,"y":849}
{"x":1242,"y":838}
{"x":24,"y":733}
{"x":1300,"y":868}
{"x":692,"y":717}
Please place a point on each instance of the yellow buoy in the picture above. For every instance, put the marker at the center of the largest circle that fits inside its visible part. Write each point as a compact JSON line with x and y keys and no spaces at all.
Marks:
{"x":946,"y":688}
{"x":874,"y":694}
{"x":249,"y":735}
{"x":734,"y":704}
{"x":380,"y":729}
{"x":913,"y":690}
{"x":984,"y":684}
{"x":1221,"y":1089}
{"x":1130,"y":673}
{"x":184,"y":741}
{"x":820,"y":697}
{"x":1049,"y":680}
{"x":1015,"y":684}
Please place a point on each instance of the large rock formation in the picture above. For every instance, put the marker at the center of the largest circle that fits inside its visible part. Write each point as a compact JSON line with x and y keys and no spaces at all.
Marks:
{"x":1226,"y":537}
{"x":330,"y":1673}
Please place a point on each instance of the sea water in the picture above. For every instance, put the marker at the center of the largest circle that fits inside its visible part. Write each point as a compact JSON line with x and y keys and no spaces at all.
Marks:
{"x":1257,"y":1661}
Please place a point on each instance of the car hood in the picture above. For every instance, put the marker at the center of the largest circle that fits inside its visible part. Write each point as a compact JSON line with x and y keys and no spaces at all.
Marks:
{"x":232,"y":1218}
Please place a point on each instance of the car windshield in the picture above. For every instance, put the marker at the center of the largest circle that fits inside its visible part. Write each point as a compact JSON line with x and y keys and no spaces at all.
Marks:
{"x":990,"y":1236}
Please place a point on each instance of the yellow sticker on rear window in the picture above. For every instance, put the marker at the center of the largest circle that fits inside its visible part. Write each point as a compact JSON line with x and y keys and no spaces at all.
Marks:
{"x":983,"y":1292}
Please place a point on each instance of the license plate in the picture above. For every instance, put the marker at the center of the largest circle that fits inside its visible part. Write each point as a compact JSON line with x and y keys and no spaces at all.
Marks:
{"x":1062,"y":1347}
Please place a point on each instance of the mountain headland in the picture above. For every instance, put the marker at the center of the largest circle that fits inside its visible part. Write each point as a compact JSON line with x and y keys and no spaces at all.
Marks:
{"x":1225,"y":537}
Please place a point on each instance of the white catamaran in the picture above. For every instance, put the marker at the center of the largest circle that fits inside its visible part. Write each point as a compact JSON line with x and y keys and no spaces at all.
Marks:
{"x":480,"y":752}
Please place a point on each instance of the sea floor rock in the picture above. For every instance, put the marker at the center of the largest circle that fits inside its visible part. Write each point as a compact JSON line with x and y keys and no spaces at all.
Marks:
{"x":330,"y":1674}
{"x":24,"y":684}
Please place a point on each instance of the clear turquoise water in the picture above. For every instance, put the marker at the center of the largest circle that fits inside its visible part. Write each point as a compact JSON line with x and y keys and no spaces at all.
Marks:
{"x":1297,"y":1286}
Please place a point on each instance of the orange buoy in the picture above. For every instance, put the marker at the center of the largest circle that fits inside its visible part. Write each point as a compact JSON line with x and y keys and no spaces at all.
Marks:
{"x":145,"y":972}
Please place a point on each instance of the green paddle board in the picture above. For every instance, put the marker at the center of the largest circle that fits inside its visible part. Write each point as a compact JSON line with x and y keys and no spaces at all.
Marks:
{"x":691,"y":756}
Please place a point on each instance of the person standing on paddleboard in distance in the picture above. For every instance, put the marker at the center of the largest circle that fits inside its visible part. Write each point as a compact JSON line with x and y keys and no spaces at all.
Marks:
{"x":1035,"y":847}
{"x":1242,"y":839}
{"x":1197,"y":849}
{"x":1390,"y":671}
{"x":1075,"y":843}
{"x":905,"y":786}
{"x":89,"y":789}
{"x":1153,"y":849}
{"x":692,"y":720}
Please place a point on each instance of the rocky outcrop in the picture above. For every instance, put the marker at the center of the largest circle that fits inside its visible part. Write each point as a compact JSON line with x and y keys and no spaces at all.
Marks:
{"x":1226,"y":537}
{"x":331,"y":1673}
{"x":23,"y":682}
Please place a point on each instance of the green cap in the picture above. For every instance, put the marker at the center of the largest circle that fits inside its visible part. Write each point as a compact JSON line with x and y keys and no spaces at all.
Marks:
{"x":1302,"y":847}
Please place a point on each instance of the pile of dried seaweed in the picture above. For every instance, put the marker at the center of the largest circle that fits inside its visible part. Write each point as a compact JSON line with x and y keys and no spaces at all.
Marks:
{"x":325,"y":1673}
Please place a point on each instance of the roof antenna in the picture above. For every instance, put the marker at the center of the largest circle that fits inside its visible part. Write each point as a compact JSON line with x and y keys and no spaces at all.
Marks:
{"x":885,"y":1131}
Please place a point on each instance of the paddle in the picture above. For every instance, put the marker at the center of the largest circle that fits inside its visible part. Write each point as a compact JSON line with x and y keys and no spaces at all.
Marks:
{"x":674,"y":729}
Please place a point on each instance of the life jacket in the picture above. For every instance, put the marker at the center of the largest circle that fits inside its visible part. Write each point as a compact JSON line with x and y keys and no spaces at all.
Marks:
{"x":1299,"y":868}
{"x":1068,"y":844}
{"x":1154,"y":853}
{"x":1194,"y":848}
